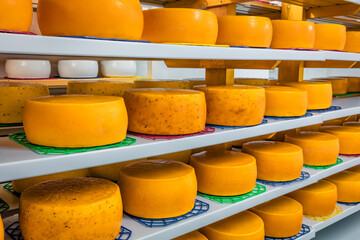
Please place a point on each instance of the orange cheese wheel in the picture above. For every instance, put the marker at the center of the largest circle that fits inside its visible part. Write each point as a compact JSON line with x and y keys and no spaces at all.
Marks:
{"x":352,"y":124}
{"x":354,"y":84}
{"x":165,"y":111}
{"x":234,"y":105}
{"x":192,"y":236}
{"x":242,"y":226}
{"x":252,"y":81}
{"x":319,"y":93}
{"x":282,"y":217}
{"x":349,"y":138}
{"x":72,"y":208}
{"x":276,"y":161}
{"x":224,"y":173}
{"x":158,"y":188}
{"x":330,"y":36}
{"x":183,"y":156}
{"x":318,"y":199}
{"x":105,"y":88}
{"x":319,"y":148}
{"x":352,"y":41}
{"x":249,"y":31}
{"x":121,"y":19}
{"x":180,"y":25}
{"x":339,"y":85}
{"x":75,"y":120}
{"x":285,"y":101}
{"x":293,"y":34}
{"x":348,"y":186}
{"x":162,"y":84}
{"x":16,"y":15}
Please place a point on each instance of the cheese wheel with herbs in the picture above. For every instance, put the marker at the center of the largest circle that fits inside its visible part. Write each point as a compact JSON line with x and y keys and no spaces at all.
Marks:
{"x":354,"y":84}
{"x":74,"y":121}
{"x":249,"y":31}
{"x":158,"y":188}
{"x":282,"y":216}
{"x":348,"y":186}
{"x":234,"y":105}
{"x":16,"y":15}
{"x":330,"y":36}
{"x":177,"y":84}
{"x":180,"y":25}
{"x":252,"y":81}
{"x":101,"y":87}
{"x":352,"y":41}
{"x":318,"y":199}
{"x":351,"y":124}
{"x":72,"y":208}
{"x":182,"y":156}
{"x":192,"y":236}
{"x":276,"y":161}
{"x":349,"y":138}
{"x":122,"y":19}
{"x":224,"y":173}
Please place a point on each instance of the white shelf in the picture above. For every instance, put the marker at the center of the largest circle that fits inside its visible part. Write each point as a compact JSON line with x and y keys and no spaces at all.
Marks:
{"x":341,"y":56}
{"x":350,"y":106}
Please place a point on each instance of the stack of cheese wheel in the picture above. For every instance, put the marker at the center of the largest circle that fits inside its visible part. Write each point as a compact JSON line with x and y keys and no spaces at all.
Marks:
{"x":121,"y":19}
{"x":330,"y":36}
{"x":234,"y":105}
{"x":276,"y":161}
{"x":348,"y":186}
{"x":285,"y":101}
{"x":349,"y":138}
{"x":352,"y":124}
{"x":245,"y":226}
{"x":101,"y":87}
{"x":177,"y":84}
{"x":192,"y":236}
{"x":352,"y":41}
{"x":252,"y":81}
{"x":158,"y":188}
{"x":319,"y":93}
{"x":319,"y":148}
{"x":293,"y":34}
{"x":73,"y":208}
{"x":16,"y":15}
{"x":75,"y":120}
{"x":13,"y":96}
{"x":183,"y":156}
{"x":250,"y":31}
{"x":318,"y":199}
{"x":180,"y":25}
{"x":224,"y":173}
{"x":282,"y":217}
{"x":165,"y":111}
{"x":339,"y":85}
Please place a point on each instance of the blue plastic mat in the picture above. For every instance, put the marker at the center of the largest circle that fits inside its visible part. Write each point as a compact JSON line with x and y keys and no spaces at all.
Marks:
{"x":349,"y":204}
{"x":234,"y":127}
{"x":332,"y":108}
{"x":289,"y":118}
{"x":305,"y":229}
{"x":108,"y":39}
{"x":304,"y":176}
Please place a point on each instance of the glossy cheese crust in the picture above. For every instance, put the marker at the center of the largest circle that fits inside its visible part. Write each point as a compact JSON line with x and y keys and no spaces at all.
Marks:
{"x":162,"y":84}
{"x":330,"y":36}
{"x":352,"y":41}
{"x":348,"y":186}
{"x":349,"y":138}
{"x":104,"y":88}
{"x":16,"y":15}
{"x":192,"y":236}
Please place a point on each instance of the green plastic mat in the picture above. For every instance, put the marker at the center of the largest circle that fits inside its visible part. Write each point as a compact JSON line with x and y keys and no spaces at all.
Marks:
{"x":3,"y":206}
{"x":21,"y":139}
{"x":11,"y":125}
{"x":9,"y":187}
{"x":346,"y":95}
{"x":324,"y":167}
{"x":259,"y":189}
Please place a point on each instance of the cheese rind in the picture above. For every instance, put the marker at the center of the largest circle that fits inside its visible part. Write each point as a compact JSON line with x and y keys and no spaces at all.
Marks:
{"x":16,"y":15}
{"x":330,"y":36}
{"x":348,"y":186}
{"x":104,"y":88}
{"x":181,"y":84}
{"x":192,"y":236}
{"x":352,"y":41}
{"x":183,"y":156}
{"x":349,"y":138}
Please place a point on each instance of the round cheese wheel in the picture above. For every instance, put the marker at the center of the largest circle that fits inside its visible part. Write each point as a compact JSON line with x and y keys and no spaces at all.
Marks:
{"x":183,"y":156}
{"x":319,"y":93}
{"x":180,"y":25}
{"x":121,"y":19}
{"x":224,"y":173}
{"x":319,"y":148}
{"x":349,"y":138}
{"x":354,"y":169}
{"x":352,"y":124}
{"x":13,"y":96}
{"x":75,"y":120}
{"x":352,"y":41}
{"x":73,"y":208}
{"x":354,"y":84}
{"x":16,"y":15}
{"x":348,"y":186}
{"x":249,"y":31}
{"x":192,"y":236}
{"x":165,"y":111}
{"x":293,"y":34}
{"x":162,"y":84}
{"x":330,"y":36}
{"x":318,"y":199}
{"x":234,"y":105}
{"x":252,"y":81}
{"x":339,"y":85}
{"x":282,"y":217}
{"x":101,"y":87}
{"x":285,"y":101}
{"x":276,"y":161}
{"x":158,"y":188}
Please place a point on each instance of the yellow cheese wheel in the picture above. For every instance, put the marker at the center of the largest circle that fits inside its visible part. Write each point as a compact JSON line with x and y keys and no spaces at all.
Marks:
{"x":73,"y":208}
{"x":318,"y":199}
{"x":105,"y":88}
{"x":354,"y":84}
{"x":249,"y":31}
{"x":352,"y":124}
{"x":319,"y":148}
{"x":180,"y":25}
{"x":165,"y":111}
{"x":13,"y":97}
{"x":16,"y":15}
{"x":352,"y":41}
{"x":75,"y":120}
{"x":224,"y":173}
{"x":121,"y":19}
{"x":354,"y":169}
{"x":349,"y":138}
{"x":242,"y":226}
{"x":162,"y":84}
{"x":252,"y":81}
{"x":339,"y":85}
{"x":276,"y":161}
{"x":158,"y":188}
{"x":319,"y":93}
{"x":285,"y":101}
{"x":282,"y":217}
{"x":293,"y":34}
{"x":234,"y":105}
{"x":183,"y":156}
{"x":192,"y":236}
{"x":348,"y":186}
{"x":330,"y":36}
